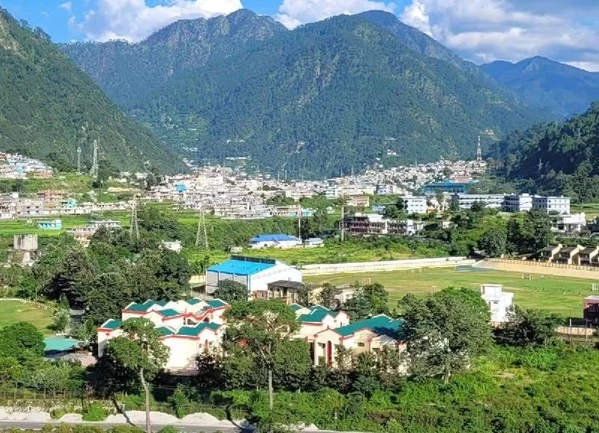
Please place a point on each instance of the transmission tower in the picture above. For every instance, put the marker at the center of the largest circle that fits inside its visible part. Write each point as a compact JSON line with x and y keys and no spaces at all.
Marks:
{"x":94,"y":170}
{"x":479,"y":152}
{"x":201,"y":234}
{"x":79,"y":159}
{"x":134,"y":226}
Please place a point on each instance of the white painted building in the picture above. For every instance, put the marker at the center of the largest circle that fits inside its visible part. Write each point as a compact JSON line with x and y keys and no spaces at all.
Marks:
{"x":188,"y":327}
{"x":316,"y":319}
{"x":499,"y":302}
{"x":252,"y":272}
{"x":415,"y":205}
{"x":571,"y":223}
{"x":517,"y":203}
{"x":275,"y":241}
{"x":561,"y":204}
{"x":465,"y":201}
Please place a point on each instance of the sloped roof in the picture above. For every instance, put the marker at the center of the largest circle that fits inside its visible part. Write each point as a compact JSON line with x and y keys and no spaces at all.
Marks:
{"x":381,"y":324}
{"x":193,"y":301}
{"x":169,"y":312}
{"x":194,"y":331}
{"x":275,"y":238}
{"x":295,"y":307}
{"x":112,"y":324}
{"x":317,"y":314}
{"x":240,"y":267}
{"x":217,"y":303}
{"x":164,"y":330}
{"x":146,"y":306}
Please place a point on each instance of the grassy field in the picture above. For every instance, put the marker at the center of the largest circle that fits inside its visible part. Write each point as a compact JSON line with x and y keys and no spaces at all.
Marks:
{"x":590,"y":209}
{"x":562,"y":295}
{"x":29,"y":225}
{"x":16,"y":311}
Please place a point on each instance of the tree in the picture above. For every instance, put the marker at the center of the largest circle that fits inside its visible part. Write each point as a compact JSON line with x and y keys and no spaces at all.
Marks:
{"x":262,"y":326}
{"x":21,"y":341}
{"x":368,"y":301}
{"x":528,"y":328}
{"x":444,"y":331}
{"x":326,"y":297}
{"x":493,"y":241}
{"x":61,"y":320}
{"x":140,"y":351}
{"x":231,"y":291}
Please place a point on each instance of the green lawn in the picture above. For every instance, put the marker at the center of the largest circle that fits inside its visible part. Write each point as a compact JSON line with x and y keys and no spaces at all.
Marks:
{"x":29,"y":225}
{"x":562,"y":295}
{"x":16,"y":311}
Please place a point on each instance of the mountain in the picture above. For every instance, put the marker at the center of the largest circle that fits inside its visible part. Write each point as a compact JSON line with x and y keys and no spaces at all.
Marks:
{"x":324,"y":98}
{"x":128,"y":72}
{"x":45,"y":101}
{"x":548,"y":85}
{"x":555,"y":158}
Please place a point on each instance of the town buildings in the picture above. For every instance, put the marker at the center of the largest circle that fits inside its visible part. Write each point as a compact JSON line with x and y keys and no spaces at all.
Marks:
{"x":415,"y":205}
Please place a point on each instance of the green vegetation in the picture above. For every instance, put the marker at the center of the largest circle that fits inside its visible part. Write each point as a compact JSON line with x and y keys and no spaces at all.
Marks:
{"x":310,"y":100}
{"x":560,"y":89}
{"x":566,"y":151}
{"x":21,"y":311}
{"x":48,"y":108}
{"x":94,"y":413}
{"x":562,"y":295}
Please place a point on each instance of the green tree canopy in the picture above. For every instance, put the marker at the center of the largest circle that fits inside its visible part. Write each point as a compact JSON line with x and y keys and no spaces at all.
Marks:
{"x":231,"y":291}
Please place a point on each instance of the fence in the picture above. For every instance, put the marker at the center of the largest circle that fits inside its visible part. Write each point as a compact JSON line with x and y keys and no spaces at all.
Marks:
{"x":546,"y":264}
{"x":382,"y":266}
{"x":543,"y":268}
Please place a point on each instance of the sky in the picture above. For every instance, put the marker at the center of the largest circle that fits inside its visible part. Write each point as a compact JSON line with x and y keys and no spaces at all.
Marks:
{"x":478,"y":30}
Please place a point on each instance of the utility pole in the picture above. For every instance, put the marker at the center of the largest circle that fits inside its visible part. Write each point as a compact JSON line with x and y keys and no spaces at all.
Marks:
{"x":134,"y":227}
{"x":78,"y":159}
{"x":201,"y":234}
{"x":94,"y":170}
{"x":342,"y":222}
{"x":479,"y":152}
{"x":299,"y":222}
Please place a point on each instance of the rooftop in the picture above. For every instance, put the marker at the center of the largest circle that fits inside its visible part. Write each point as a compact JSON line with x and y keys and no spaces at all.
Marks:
{"x":317,"y":314}
{"x":287,"y":284}
{"x":216,"y":303}
{"x":240,"y":267}
{"x":194,"y":331}
{"x":146,"y":306}
{"x":111,"y":324}
{"x":169,"y":312}
{"x":275,"y":238}
{"x":60,"y":344}
{"x":381,"y":324}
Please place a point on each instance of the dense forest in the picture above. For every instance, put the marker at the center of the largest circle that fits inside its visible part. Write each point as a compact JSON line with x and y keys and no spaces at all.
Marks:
{"x":49,"y":107}
{"x":555,"y":158}
{"x":318,"y":100}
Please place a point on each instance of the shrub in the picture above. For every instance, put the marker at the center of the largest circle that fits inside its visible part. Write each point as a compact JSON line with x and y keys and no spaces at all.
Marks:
{"x":168,"y":429}
{"x":94,"y":413}
{"x":57,"y":413}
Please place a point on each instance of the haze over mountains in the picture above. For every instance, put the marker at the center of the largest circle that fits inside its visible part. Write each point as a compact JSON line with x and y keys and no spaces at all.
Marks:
{"x":318,"y":100}
{"x":45,"y":101}
{"x":550,"y":86}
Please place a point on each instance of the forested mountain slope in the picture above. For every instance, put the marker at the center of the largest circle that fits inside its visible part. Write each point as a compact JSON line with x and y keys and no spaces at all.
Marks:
{"x":45,"y":102}
{"x":548,"y":85}
{"x":555,"y":158}
{"x":318,"y":100}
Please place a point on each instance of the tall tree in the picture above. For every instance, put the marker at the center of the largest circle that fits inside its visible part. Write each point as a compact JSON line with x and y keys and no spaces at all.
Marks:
{"x":231,"y":291}
{"x":140,"y":351}
{"x":493,"y":242}
{"x":528,"y":328}
{"x":367,"y":301}
{"x":262,"y":326}
{"x":444,"y":331}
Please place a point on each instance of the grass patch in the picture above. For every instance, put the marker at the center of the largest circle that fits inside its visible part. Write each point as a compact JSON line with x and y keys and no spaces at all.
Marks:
{"x":562,"y":295}
{"x":16,"y":311}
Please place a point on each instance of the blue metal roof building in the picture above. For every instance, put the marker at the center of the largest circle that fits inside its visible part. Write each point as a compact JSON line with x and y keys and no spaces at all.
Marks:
{"x":447,"y":186}
{"x":274,"y":238}
{"x":240,"y":267}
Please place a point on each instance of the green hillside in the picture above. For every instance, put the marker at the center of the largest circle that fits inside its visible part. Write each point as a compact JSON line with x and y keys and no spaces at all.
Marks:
{"x":46,"y":102}
{"x":557,"y":158}
{"x":318,"y":100}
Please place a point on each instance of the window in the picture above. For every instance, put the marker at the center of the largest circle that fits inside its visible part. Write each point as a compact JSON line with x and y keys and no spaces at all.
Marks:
{"x":360,"y":344}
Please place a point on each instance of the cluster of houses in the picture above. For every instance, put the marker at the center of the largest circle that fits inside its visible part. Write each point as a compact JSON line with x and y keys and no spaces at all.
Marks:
{"x":15,"y":166}
{"x":569,"y":255}
{"x":195,"y":326}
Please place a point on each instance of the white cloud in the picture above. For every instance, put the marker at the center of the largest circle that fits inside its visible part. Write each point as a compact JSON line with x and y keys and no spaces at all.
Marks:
{"x":296,"y":12}
{"x":67,"y":6}
{"x":134,"y":20}
{"x":486,"y":30}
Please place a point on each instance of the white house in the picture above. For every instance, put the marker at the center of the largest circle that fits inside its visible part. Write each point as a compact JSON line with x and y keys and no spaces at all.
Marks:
{"x":275,"y":241}
{"x":499,"y":302}
{"x":415,"y":205}
{"x":561,"y":205}
{"x":316,"y":319}
{"x":517,"y":203}
{"x":313,"y":243}
{"x":254,"y":273}
{"x":188,"y":327}
{"x":368,"y":335}
{"x":465,"y":201}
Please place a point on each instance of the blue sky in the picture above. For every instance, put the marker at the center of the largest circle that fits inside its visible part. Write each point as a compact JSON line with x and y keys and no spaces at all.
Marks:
{"x":478,"y":30}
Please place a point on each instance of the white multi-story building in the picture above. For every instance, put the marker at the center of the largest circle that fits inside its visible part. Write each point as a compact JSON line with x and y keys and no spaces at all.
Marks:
{"x":465,"y":201}
{"x":499,"y":302}
{"x":517,"y":203}
{"x":188,"y":328}
{"x":561,"y":204}
{"x":415,"y":204}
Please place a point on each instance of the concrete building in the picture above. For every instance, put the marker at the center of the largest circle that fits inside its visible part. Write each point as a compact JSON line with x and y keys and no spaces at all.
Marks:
{"x":316,"y":319}
{"x":570,"y":223}
{"x":188,"y":327}
{"x":415,"y":205}
{"x":369,"y":335}
{"x":313,"y":243}
{"x":275,"y":241}
{"x":549,"y":253}
{"x":371,"y":224}
{"x":588,"y":256}
{"x":254,"y":273}
{"x":568,"y":255}
{"x":499,"y":302}
{"x":561,"y":205}
{"x":50,"y":225}
{"x":465,"y":201}
{"x":517,"y":203}
{"x":591,"y":310}
{"x":361,"y":200}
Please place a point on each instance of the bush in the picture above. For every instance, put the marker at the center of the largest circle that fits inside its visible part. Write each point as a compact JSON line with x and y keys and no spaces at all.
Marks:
{"x":168,"y":429}
{"x":58,"y":413}
{"x":94,"y":413}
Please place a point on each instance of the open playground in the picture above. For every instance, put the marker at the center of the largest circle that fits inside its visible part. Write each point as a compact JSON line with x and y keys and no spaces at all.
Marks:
{"x":12,"y":311}
{"x":561,"y":295}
